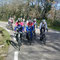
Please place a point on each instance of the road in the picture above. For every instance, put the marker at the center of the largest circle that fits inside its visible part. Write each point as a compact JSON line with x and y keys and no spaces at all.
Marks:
{"x":37,"y":51}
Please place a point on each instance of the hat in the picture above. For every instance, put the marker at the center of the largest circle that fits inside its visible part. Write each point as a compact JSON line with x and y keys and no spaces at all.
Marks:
{"x":43,"y":20}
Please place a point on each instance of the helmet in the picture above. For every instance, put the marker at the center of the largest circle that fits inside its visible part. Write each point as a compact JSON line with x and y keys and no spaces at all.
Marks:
{"x":23,"y":19}
{"x":30,"y":23}
{"x":34,"y":19}
{"x":27,"y":21}
{"x":18,"y":21}
{"x":43,"y":20}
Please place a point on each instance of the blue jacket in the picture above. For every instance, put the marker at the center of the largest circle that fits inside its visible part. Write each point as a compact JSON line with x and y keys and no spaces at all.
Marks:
{"x":30,"y":29}
{"x":19,"y":27}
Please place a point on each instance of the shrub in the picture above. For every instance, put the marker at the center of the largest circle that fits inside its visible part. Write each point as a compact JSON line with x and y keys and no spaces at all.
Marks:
{"x":56,"y":23}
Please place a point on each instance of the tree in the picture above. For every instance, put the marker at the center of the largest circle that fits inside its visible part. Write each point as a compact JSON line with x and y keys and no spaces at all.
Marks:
{"x":46,"y":7}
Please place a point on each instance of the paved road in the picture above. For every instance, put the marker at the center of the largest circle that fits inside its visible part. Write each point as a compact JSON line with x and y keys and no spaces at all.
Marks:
{"x":37,"y":51}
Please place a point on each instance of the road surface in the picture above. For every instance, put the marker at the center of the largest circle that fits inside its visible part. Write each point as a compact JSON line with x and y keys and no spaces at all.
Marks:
{"x":37,"y":51}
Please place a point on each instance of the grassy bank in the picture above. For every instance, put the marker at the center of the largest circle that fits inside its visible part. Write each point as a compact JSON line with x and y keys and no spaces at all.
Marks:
{"x":54,"y":25}
{"x":4,"y":20}
{"x":55,"y":28}
{"x":4,"y":36}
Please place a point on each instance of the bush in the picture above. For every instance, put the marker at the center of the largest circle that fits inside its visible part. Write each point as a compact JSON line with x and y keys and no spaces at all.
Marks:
{"x":38,"y":22}
{"x":56,"y":23}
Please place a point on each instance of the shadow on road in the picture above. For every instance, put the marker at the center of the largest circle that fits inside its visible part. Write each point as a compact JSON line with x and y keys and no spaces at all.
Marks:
{"x":53,"y":41}
{"x":12,"y":43}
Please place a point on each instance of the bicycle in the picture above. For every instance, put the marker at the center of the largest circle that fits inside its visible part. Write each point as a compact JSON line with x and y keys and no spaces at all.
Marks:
{"x":18,"y":36}
{"x":29,"y":37}
{"x":34,"y":34}
{"x":43,"y":37}
{"x":9,"y":26}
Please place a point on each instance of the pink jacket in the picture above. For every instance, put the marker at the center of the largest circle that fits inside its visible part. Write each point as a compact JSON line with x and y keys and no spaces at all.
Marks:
{"x":22,"y":23}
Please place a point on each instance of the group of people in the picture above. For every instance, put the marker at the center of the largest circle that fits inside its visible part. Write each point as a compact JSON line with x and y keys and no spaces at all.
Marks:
{"x":29,"y":25}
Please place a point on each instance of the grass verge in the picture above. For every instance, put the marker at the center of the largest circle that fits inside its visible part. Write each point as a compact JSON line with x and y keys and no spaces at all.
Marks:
{"x":3,"y":21}
{"x":4,"y":36}
{"x":55,"y":25}
{"x":55,"y":28}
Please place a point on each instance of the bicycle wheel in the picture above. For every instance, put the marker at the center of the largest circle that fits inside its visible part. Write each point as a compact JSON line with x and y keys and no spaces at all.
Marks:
{"x":34,"y":35}
{"x":19,"y":42}
{"x":30,"y":41}
{"x":44,"y":40}
{"x":29,"y":38}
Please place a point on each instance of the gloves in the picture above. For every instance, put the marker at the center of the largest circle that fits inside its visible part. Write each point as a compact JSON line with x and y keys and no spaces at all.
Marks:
{"x":47,"y":29}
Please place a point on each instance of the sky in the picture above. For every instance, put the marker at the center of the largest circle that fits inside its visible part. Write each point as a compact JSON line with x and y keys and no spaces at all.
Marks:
{"x":57,"y":5}
{"x":22,"y":0}
{"x":57,"y":1}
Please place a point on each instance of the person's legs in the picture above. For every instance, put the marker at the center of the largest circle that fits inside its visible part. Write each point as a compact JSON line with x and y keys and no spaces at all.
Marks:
{"x":44,"y":29}
{"x":17,"y":37}
{"x":40,"y":34}
{"x":27,"y":35}
{"x":40,"y":31}
{"x":21,"y":35}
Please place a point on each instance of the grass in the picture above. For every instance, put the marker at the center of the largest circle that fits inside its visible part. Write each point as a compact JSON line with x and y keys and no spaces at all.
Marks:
{"x":4,"y":36}
{"x":55,"y":25}
{"x":4,"y":20}
{"x":55,"y":28}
